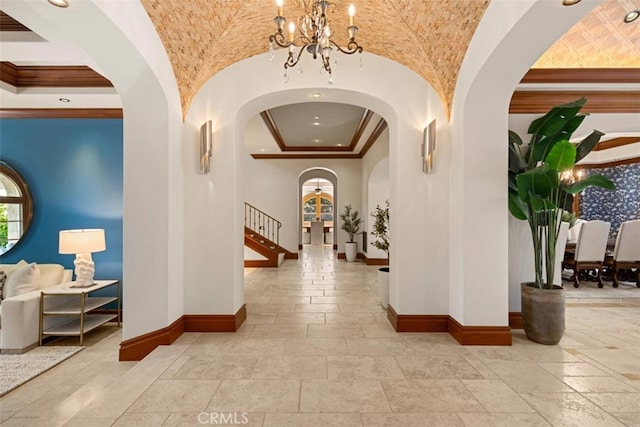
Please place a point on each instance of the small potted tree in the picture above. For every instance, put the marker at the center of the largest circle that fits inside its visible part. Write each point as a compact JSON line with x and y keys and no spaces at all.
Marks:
{"x":351,"y":224}
{"x":540,"y":186}
{"x":381,"y":241}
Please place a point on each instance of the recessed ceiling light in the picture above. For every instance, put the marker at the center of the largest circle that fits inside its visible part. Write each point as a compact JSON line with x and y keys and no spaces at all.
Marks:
{"x":59,"y":3}
{"x":316,"y":95}
{"x":316,"y":140}
{"x":316,"y":117}
{"x":632,"y":16}
{"x":316,"y":123}
{"x":339,"y":145}
{"x":263,"y":150}
{"x":64,"y":100}
{"x":570,"y":2}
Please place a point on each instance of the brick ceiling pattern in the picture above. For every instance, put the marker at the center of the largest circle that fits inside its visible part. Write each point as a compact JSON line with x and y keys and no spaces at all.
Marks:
{"x":202,"y":37}
{"x":430,"y":37}
{"x":600,"y":40}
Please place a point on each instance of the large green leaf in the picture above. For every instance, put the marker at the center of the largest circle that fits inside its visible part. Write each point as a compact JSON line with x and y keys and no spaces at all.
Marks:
{"x":591,"y":181}
{"x":585,"y":146}
{"x":574,"y":123}
{"x":562,"y":156}
{"x":516,"y":164}
{"x":539,"y":181}
{"x":562,"y":112}
{"x":514,"y":138}
{"x":539,"y":204}
{"x":517,"y":207}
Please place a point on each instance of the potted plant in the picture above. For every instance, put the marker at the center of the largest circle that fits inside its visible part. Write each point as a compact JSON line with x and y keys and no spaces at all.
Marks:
{"x":541,"y":185}
{"x":351,"y":224}
{"x":381,"y":234}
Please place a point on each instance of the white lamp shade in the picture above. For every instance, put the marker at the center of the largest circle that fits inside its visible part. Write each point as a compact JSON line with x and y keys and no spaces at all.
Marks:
{"x":81,"y":241}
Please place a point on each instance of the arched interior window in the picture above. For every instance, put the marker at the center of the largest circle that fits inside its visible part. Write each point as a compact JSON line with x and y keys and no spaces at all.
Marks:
{"x":16,"y":207}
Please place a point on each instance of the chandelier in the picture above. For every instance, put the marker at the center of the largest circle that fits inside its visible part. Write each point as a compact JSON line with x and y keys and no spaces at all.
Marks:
{"x":314,"y":34}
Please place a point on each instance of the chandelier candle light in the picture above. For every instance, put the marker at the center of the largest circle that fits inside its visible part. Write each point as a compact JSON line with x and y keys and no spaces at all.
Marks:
{"x":314,"y":34}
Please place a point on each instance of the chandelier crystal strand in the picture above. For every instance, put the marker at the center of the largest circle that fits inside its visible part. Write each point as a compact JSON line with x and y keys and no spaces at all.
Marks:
{"x":313,"y":34}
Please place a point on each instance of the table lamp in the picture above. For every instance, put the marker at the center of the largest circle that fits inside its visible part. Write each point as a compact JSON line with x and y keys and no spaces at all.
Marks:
{"x":82,"y":243}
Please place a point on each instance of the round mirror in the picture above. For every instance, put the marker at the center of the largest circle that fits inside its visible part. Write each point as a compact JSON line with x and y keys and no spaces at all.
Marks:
{"x":16,"y":208}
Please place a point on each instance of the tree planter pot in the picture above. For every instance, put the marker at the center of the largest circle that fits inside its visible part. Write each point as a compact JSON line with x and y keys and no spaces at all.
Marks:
{"x":543,"y":313}
{"x":383,"y":286}
{"x":351,"y":251}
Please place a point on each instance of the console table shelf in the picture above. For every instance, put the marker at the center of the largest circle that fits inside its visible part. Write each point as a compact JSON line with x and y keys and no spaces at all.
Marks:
{"x":78,"y":305}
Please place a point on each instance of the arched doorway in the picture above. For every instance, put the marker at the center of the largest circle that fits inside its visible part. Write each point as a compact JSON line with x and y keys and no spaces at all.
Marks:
{"x":317,"y":196}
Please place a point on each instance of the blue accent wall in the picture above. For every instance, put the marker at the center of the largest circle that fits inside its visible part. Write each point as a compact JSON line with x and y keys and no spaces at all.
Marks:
{"x":74,"y":170}
{"x":618,"y":206}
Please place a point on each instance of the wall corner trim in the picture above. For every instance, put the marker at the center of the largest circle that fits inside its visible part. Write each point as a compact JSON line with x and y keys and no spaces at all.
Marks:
{"x":137,"y":348}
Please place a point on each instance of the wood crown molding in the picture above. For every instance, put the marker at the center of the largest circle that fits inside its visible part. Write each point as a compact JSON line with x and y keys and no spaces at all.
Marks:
{"x":51,"y":76}
{"x":7,"y":23}
{"x":465,"y":335}
{"x":613,"y":163}
{"x":582,"y":75}
{"x":606,"y":101}
{"x":137,"y":348}
{"x":61,"y":113}
{"x":616,"y":142}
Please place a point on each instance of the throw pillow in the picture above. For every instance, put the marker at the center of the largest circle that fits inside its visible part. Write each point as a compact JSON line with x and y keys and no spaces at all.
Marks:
{"x":50,"y":275}
{"x":3,"y":277}
{"x":22,"y":280}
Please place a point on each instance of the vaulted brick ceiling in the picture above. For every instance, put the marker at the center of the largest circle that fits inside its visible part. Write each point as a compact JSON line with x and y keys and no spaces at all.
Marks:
{"x":430,"y":37}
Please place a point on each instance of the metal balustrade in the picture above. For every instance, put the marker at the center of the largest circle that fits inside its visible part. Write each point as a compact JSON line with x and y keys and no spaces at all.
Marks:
{"x":261,"y":223}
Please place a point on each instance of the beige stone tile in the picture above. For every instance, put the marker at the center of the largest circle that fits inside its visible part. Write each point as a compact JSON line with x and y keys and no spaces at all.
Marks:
{"x":289,"y":318}
{"x":376,"y":346}
{"x":216,"y":367}
{"x":503,"y":420}
{"x":496,"y":396}
{"x":572,"y":369}
{"x":493,"y":354}
{"x":411,"y":420}
{"x":141,"y":419}
{"x":363,"y":368}
{"x":379,"y":330}
{"x":256,"y":396}
{"x":335,"y":331}
{"x":291,"y":367}
{"x":280,"y":331}
{"x":597,"y":384}
{"x":90,"y":422}
{"x":256,"y":300}
{"x":344,"y":300}
{"x":356,"y":294}
{"x":254,"y":346}
{"x":437,"y":367}
{"x":290,"y":300}
{"x":47,"y":402}
{"x":176,"y":395}
{"x":190,"y":419}
{"x":629,"y":419}
{"x":296,"y":293}
{"x":373,"y":307}
{"x":315,"y":346}
{"x":353,"y":318}
{"x":569,"y":409}
{"x":616,"y":402}
{"x":342,"y":396}
{"x":260,"y":318}
{"x":620,"y":360}
{"x":430,"y":396}
{"x":307,"y":420}
{"x":270,"y":308}
{"x":316,"y":308}
{"x":527,"y":377}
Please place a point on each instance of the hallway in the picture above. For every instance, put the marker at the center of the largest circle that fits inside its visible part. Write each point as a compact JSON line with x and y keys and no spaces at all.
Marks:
{"x":316,"y":350}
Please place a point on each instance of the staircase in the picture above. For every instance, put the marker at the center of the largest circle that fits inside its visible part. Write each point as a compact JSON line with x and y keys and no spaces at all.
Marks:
{"x":262,"y":234}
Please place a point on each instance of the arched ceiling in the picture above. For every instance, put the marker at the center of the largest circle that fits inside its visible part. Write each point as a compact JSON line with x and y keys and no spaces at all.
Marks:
{"x":203,"y":37}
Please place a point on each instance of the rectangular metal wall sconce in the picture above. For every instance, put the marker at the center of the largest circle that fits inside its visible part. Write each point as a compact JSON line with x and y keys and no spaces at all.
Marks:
{"x":428,"y":146}
{"x":206,"y":144}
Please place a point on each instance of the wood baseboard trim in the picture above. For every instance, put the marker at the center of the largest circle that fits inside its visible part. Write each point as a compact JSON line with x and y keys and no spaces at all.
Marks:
{"x":515,"y":320}
{"x":377,"y":261}
{"x":479,"y":335}
{"x":418,"y":322}
{"x":137,"y":348}
{"x":291,"y":255}
{"x":215,"y":322}
{"x":359,"y":255}
{"x":257,"y":263}
{"x":465,"y":335}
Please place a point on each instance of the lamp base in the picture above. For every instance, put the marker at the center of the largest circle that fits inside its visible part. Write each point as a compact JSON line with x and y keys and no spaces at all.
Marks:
{"x":85,"y":269}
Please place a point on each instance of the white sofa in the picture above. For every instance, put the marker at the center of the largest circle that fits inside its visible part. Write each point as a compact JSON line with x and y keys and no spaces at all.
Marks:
{"x":20,"y":314}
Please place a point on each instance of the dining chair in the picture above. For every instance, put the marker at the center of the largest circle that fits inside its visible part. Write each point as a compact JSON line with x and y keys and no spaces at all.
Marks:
{"x":590,"y":250}
{"x":626,"y":253}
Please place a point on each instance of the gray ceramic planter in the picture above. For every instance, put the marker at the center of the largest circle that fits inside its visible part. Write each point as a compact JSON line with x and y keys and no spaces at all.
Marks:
{"x":543,"y":313}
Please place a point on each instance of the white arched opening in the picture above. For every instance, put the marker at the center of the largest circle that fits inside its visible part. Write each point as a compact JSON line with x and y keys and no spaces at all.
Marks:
{"x":377,"y":195}
{"x":323,"y":173}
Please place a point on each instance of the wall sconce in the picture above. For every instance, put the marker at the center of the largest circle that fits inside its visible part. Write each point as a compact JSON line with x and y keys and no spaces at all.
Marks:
{"x":82,"y":243}
{"x":206,"y":144}
{"x":428,"y":146}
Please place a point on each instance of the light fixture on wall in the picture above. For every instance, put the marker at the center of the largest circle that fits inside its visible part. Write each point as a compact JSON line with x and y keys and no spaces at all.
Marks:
{"x":206,"y":144}
{"x":318,"y":189}
{"x":59,"y":3}
{"x":428,"y":146}
{"x":570,"y":2}
{"x":314,"y":34}
{"x":82,"y":243}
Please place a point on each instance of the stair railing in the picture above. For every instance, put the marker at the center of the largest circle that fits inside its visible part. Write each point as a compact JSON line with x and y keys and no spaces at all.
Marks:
{"x":262,"y":223}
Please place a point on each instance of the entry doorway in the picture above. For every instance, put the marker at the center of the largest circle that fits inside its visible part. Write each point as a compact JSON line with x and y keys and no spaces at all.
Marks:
{"x":317,"y":199}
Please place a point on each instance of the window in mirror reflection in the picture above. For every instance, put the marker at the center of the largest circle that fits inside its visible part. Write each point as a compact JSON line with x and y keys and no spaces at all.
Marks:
{"x":16,"y":207}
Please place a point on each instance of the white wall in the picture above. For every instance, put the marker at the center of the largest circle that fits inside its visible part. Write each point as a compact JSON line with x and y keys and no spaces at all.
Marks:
{"x":378,"y":194}
{"x":377,"y":154}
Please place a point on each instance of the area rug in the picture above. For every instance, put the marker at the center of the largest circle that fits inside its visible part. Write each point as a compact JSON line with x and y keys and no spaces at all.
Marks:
{"x":17,"y":369}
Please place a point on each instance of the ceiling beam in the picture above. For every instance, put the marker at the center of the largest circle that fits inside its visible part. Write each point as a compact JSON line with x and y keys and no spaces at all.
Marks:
{"x":364,"y":122}
{"x":604,"y":101}
{"x":582,"y":75}
{"x":7,"y":23}
{"x":380,"y":127}
{"x":51,"y":76}
{"x":61,"y":113}
{"x":616,"y":142}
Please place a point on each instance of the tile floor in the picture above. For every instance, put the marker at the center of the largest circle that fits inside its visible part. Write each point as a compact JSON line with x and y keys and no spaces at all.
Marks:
{"x":316,"y":350}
